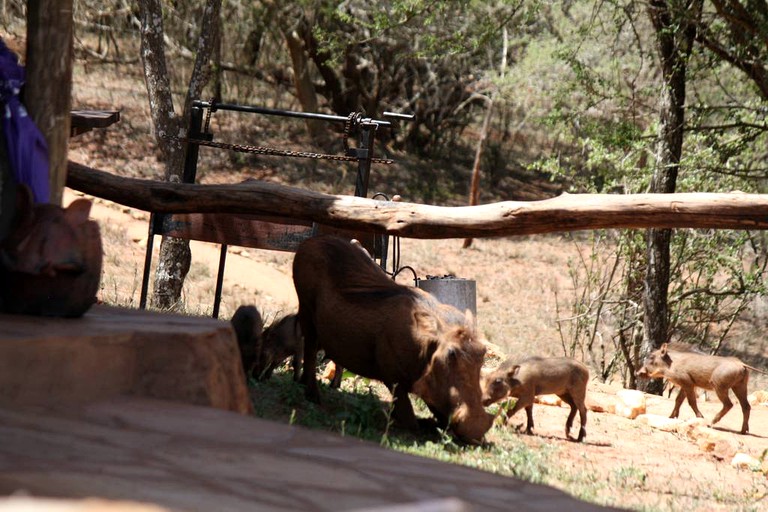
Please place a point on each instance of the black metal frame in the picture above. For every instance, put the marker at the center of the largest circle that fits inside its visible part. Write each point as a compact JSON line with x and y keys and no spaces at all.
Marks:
{"x":363,"y":154}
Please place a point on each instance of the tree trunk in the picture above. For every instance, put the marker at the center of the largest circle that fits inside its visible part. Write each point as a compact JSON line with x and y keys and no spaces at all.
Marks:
{"x":175,"y":256}
{"x":474,"y":188}
{"x":305,"y":90}
{"x":48,"y":92}
{"x":675,"y":32}
{"x":568,"y":212}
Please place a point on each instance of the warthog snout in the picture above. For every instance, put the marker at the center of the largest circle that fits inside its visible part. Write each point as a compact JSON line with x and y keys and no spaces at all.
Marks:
{"x":471,"y":425}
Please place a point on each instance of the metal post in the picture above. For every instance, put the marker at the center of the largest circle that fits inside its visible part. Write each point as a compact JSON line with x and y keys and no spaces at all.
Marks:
{"x":219,"y":281}
{"x":365,"y":156}
{"x":190,"y":161}
{"x":147,"y":262}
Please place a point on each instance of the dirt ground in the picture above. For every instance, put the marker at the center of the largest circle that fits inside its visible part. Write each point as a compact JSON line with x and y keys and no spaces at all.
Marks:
{"x":518,"y":280}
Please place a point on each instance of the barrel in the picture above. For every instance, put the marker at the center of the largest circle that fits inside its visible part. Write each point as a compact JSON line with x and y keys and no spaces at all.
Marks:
{"x":456,"y":291}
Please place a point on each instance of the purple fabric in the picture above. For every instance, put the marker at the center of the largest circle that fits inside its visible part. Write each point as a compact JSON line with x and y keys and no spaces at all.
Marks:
{"x":26,"y":146}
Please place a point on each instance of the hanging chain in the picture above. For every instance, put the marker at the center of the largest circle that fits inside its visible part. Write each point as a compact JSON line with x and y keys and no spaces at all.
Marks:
{"x":353,"y":117}
{"x":211,"y":108}
{"x":263,"y":150}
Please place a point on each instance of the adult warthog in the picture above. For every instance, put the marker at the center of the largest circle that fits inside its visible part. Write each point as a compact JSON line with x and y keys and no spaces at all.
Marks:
{"x":399,"y":335}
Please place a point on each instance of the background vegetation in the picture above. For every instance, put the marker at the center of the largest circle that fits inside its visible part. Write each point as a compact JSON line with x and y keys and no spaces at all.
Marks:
{"x":577,"y":94}
{"x":581,"y":97}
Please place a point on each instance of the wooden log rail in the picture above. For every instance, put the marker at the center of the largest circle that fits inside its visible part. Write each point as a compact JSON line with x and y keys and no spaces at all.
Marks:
{"x":568,"y":212}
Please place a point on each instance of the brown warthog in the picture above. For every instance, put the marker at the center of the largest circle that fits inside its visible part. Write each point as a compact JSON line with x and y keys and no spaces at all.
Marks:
{"x":689,"y":370}
{"x":248,"y":325}
{"x":533,"y":376}
{"x":51,"y":258}
{"x":281,"y":339}
{"x":382,"y":330}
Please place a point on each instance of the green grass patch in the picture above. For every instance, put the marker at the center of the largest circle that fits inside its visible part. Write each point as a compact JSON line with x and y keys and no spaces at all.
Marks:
{"x":362,"y":408}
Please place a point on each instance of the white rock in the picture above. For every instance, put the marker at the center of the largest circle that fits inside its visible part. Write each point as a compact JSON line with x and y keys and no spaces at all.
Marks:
{"x":744,"y":461}
{"x":630,"y":403}
{"x":660,"y":422}
{"x":548,"y":400}
{"x":759,"y":397}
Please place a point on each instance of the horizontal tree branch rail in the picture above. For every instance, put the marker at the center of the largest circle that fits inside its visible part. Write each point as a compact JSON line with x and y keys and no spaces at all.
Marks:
{"x":567,"y":212}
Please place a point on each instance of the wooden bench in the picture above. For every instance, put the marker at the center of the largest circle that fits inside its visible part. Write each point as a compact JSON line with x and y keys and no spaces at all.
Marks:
{"x":83,"y":121}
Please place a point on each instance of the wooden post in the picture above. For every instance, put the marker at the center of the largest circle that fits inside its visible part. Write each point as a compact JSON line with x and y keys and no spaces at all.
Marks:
{"x":48,"y":91}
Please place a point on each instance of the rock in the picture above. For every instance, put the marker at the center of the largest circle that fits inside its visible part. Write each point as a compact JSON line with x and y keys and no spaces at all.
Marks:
{"x":759,"y":397}
{"x":114,"y":351}
{"x":745,"y":461}
{"x":686,"y":427}
{"x":330,"y":371}
{"x":601,"y":403}
{"x":630,"y":403}
{"x":493,"y":352}
{"x":659,"y":422}
{"x":548,"y":400}
{"x":719,"y":444}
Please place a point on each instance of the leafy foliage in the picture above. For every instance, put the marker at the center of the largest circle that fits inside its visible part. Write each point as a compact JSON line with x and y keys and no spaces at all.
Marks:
{"x":575,"y":87}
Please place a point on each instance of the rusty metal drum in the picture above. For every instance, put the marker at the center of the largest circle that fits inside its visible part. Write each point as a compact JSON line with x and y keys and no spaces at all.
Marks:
{"x":456,"y":291}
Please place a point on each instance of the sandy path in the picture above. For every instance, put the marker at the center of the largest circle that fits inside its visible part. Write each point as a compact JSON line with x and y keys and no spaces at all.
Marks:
{"x":265,"y":281}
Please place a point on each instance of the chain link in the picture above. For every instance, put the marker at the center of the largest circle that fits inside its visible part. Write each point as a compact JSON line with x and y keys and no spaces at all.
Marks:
{"x":262,"y":150}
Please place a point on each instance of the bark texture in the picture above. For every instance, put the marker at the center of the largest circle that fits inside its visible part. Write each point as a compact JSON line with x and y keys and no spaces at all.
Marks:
{"x":48,"y":89}
{"x":568,"y":212}
{"x":175,"y":257}
{"x":675,"y":27}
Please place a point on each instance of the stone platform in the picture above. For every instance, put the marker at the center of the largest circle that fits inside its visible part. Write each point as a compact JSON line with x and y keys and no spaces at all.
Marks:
{"x":112,"y":351}
{"x":126,"y":405}
{"x":196,"y":458}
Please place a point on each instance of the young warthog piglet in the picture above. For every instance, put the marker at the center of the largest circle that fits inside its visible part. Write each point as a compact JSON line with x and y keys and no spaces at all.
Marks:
{"x":689,"y":370}
{"x":248,"y":325}
{"x":534,"y":376}
{"x":281,"y":340}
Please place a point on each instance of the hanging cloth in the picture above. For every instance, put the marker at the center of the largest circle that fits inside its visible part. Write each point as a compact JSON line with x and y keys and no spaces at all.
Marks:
{"x":25,"y":145}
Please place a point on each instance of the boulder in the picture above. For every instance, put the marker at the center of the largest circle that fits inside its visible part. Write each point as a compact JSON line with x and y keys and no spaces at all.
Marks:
{"x":745,"y":461}
{"x":759,"y":397}
{"x":601,"y":403}
{"x":630,"y":403}
{"x":720,"y":444}
{"x":659,"y":422}
{"x":548,"y":400}
{"x":115,"y":351}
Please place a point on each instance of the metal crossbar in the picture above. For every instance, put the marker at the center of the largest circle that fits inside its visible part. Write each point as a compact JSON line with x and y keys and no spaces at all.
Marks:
{"x":200,"y":135}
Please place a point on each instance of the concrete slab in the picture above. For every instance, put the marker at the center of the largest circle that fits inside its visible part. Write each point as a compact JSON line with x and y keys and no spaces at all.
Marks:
{"x":194,"y":458}
{"x":112,"y":351}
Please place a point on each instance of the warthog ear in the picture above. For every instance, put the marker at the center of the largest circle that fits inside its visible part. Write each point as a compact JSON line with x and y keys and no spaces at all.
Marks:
{"x":77,"y":212}
{"x":663,"y":349}
{"x":426,"y":323}
{"x":470,"y":318}
{"x":513,"y":371}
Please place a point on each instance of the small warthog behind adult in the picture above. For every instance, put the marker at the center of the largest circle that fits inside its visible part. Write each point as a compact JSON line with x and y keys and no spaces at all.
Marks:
{"x":689,"y":370}
{"x":281,"y":339}
{"x":396,"y":334}
{"x":560,"y":376}
{"x":248,"y":324}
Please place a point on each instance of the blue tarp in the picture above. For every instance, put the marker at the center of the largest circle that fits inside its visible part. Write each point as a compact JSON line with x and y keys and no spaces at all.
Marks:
{"x":26,"y":146}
